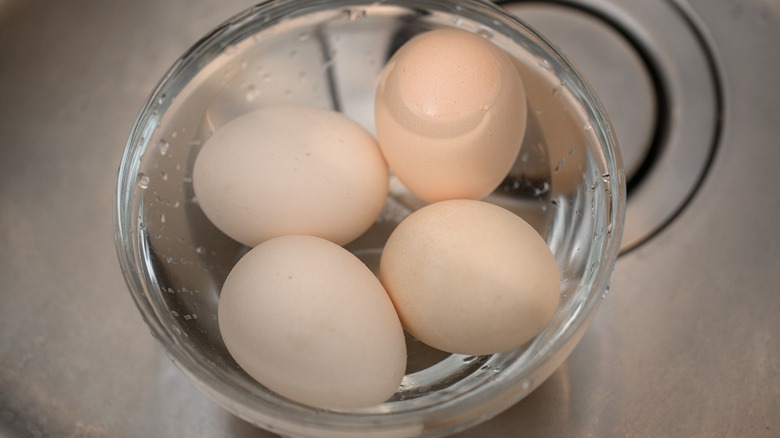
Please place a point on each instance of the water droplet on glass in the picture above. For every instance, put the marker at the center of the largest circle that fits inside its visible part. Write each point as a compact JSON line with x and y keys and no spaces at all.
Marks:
{"x":164,"y":146}
{"x":304,"y":36}
{"x":162,"y":218}
{"x":251,"y":93}
{"x":526,"y":384}
{"x":164,"y":175}
{"x":327,"y":65}
{"x":485,"y":34}
{"x":143,"y":181}
{"x":200,"y":250}
{"x":587,"y":127}
{"x":545,"y":64}
{"x":458,"y":21}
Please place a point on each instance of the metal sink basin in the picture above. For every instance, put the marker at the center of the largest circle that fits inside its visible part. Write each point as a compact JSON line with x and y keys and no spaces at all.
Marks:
{"x":686,"y":343}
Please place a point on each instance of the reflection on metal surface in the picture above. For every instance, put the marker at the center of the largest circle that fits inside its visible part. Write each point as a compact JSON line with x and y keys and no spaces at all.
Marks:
{"x":661,"y":88}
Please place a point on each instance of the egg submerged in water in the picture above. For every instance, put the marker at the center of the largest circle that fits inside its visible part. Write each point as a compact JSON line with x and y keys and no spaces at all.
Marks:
{"x":307,"y":319}
{"x":470,"y":277}
{"x":450,"y":115}
{"x":284,"y":170}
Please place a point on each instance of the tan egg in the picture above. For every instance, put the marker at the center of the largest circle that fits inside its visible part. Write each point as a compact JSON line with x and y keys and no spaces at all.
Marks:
{"x":311,"y":322}
{"x":291,"y":170}
{"x":450,"y":115}
{"x":470,"y":277}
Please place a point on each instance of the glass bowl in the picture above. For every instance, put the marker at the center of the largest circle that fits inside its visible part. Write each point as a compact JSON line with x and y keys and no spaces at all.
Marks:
{"x":567,"y":182}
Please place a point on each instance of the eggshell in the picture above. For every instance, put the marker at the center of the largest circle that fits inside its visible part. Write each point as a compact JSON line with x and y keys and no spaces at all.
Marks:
{"x":450,"y":115}
{"x":291,"y":170}
{"x":470,"y":277}
{"x":310,"y":321}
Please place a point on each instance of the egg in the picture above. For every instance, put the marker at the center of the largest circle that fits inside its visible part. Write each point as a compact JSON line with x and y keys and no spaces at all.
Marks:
{"x":450,"y":115}
{"x":470,"y":277}
{"x":311,"y":322}
{"x":291,"y":170}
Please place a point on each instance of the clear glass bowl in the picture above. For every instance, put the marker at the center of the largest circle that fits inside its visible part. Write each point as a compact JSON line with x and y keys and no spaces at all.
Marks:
{"x":567,"y":182}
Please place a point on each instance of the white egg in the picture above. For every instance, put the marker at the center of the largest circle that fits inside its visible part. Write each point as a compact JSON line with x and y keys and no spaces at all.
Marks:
{"x":310,"y":321}
{"x":291,"y":170}
{"x":470,"y":277}
{"x":450,"y":115}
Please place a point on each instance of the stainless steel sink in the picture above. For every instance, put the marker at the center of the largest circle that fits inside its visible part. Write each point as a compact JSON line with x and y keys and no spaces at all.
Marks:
{"x":686,"y":344}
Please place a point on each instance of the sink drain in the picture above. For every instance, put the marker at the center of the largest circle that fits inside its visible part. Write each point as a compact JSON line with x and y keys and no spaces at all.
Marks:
{"x":657,"y":78}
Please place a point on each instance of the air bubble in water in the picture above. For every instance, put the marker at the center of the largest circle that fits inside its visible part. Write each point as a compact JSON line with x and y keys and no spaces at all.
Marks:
{"x":538,"y":191}
{"x":143,"y":180}
{"x":355,"y":15}
{"x":558,"y":166}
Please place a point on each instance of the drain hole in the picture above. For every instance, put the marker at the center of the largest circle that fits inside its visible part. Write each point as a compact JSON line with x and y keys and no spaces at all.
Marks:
{"x":658,"y":83}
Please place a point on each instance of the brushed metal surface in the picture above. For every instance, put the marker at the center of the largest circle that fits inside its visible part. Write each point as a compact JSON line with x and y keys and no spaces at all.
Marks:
{"x":686,"y":344}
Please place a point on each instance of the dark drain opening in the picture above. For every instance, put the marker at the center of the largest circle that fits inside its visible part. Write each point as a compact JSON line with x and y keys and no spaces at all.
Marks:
{"x":668,"y":148}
